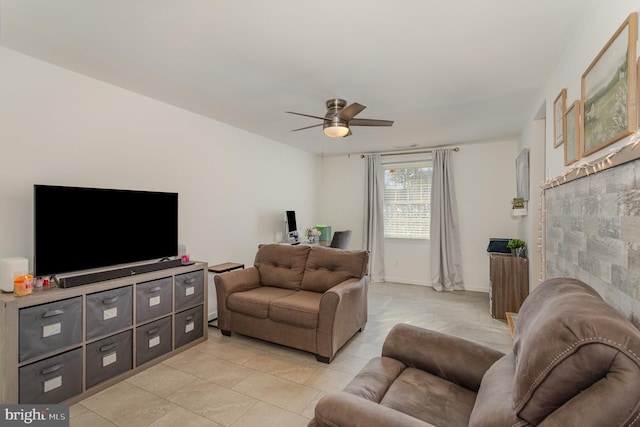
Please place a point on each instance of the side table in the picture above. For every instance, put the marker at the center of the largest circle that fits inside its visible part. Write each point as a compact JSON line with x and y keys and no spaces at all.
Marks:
{"x":212,"y":299}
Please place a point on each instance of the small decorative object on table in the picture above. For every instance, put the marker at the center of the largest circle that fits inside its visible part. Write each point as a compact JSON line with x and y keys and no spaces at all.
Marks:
{"x":313,"y":235}
{"x":518,"y":247}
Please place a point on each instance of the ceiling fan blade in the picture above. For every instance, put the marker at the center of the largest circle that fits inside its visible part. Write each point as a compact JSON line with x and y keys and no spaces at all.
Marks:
{"x":306,"y":115}
{"x":370,"y":122}
{"x":307,"y":127}
{"x":350,"y":111}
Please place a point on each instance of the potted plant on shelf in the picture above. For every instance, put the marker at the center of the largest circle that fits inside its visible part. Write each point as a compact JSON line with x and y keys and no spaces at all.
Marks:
{"x":517,"y":247}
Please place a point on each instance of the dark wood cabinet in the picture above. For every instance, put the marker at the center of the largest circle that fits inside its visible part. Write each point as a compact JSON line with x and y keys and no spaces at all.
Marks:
{"x":509,"y":277}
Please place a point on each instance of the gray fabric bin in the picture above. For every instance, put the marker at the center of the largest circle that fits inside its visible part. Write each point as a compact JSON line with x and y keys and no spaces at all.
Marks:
{"x":189,"y":289}
{"x":49,"y":327}
{"x":188,"y":326}
{"x":109,"y":357}
{"x":51,"y":380}
{"x":154,"y":299}
{"x":109,"y":311}
{"x":153,"y":340}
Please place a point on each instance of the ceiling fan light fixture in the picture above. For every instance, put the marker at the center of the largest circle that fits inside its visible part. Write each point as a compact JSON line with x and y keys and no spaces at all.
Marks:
{"x":336,"y":130}
{"x":340,"y":117}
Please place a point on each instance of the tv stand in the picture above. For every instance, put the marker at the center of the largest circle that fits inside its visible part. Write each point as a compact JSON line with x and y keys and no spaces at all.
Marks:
{"x":100,"y":276}
{"x":63,"y":345}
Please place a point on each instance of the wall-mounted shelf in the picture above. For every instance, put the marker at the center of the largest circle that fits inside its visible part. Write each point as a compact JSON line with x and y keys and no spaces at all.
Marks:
{"x":518,"y":207}
{"x":519,"y":212}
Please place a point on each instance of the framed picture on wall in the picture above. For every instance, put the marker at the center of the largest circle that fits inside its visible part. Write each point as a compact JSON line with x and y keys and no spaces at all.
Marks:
{"x":608,"y":103}
{"x":572,"y":143}
{"x":522,"y":174}
{"x":559,"y":122}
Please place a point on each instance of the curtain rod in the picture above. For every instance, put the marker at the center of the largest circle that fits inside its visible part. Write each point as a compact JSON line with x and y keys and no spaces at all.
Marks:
{"x":400,"y":152}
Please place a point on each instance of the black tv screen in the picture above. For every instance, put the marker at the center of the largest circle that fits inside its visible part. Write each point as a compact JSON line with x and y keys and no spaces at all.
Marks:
{"x":78,"y":229}
{"x":291,"y":221}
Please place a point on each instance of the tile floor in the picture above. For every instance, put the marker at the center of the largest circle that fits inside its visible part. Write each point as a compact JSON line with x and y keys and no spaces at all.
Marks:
{"x":239,"y":381}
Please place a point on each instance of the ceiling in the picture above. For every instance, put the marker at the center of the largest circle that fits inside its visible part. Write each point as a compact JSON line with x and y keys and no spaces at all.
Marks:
{"x":447,"y":72}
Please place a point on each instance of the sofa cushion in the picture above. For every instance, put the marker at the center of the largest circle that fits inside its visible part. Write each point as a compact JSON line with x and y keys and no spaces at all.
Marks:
{"x":569,"y":343}
{"x":281,"y":266}
{"x":327,"y":267}
{"x":494,"y":402}
{"x":255,"y":302}
{"x":298,"y":309}
{"x":430,"y":398}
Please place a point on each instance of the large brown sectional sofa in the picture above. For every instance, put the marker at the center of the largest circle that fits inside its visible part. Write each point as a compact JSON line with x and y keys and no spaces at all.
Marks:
{"x":311,"y":298}
{"x":575,"y":362}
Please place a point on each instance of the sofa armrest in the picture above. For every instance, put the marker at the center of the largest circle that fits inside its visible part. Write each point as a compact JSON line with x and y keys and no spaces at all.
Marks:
{"x":230,"y":282}
{"x":456,"y":359}
{"x":238,"y":280}
{"x":343,"y":311}
{"x":344,"y":409}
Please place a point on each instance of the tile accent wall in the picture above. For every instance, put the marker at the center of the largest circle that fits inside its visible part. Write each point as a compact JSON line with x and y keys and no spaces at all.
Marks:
{"x":593,"y":234}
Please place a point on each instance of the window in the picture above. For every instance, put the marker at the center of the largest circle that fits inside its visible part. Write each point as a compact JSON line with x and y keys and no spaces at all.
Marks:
{"x":407,"y":200}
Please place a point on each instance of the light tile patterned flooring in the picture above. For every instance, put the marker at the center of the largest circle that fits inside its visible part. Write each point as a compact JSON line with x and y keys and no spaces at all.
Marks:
{"x":239,"y":381}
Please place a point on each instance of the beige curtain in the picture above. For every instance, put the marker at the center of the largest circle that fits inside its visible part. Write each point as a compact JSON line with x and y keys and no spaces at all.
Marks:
{"x":446,"y":260}
{"x":373,"y":235}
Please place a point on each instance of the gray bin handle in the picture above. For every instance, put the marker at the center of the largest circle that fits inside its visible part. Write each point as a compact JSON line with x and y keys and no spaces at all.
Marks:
{"x":189,"y":318}
{"x":152,"y":290}
{"x":152,"y":331}
{"x":51,"y":369}
{"x":108,"y":347}
{"x":110,"y":300}
{"x":53,"y":313}
{"x":190,"y":280}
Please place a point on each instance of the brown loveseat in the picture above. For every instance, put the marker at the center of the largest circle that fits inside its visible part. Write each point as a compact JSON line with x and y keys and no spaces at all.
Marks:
{"x":575,"y":362}
{"x":309,"y":298}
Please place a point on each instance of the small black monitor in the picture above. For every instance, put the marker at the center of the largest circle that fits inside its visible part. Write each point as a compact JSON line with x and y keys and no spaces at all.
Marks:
{"x":291,"y":221}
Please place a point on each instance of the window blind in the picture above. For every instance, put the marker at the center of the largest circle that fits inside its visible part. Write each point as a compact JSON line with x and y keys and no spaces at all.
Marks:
{"x":407,"y":200}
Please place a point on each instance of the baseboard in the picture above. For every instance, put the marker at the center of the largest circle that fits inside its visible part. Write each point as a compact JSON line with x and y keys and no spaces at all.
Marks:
{"x":406,"y":281}
{"x":476,"y":289}
{"x":422,"y":283}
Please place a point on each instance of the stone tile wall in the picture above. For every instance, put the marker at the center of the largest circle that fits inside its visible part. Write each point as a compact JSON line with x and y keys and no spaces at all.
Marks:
{"x":593,"y":234}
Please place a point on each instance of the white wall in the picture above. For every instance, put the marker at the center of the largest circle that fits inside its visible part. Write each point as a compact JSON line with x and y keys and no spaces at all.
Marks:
{"x":341,"y":193}
{"x":530,"y":226}
{"x":485,"y":172}
{"x":62,"y":128}
{"x":599,"y":24}
{"x":484,"y":175}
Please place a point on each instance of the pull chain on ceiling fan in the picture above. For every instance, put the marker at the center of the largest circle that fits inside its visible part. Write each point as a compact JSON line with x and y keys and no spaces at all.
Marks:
{"x":339,"y":117}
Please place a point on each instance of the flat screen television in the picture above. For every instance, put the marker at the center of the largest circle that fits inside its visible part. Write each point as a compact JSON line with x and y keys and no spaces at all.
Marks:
{"x":78,"y":229}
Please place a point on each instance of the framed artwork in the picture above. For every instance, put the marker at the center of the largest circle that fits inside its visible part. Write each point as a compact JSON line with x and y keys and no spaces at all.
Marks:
{"x":572,"y":143}
{"x":559,"y":122}
{"x":522,"y":174}
{"x":608,"y":103}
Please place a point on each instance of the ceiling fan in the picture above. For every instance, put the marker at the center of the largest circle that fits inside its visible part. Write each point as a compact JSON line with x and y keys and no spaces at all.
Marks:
{"x":339,"y":117}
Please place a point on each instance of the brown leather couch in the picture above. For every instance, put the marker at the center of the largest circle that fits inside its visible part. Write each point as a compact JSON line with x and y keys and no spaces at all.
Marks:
{"x":310,"y":298}
{"x":575,"y":362}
